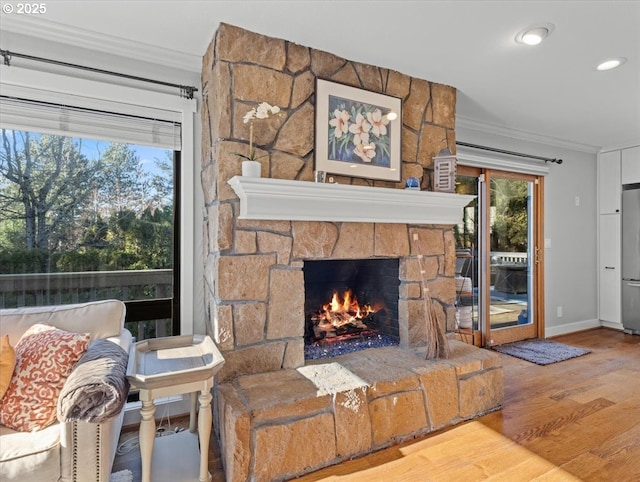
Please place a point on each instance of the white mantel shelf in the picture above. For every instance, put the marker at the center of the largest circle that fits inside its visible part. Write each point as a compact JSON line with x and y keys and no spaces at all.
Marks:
{"x":280,"y":199}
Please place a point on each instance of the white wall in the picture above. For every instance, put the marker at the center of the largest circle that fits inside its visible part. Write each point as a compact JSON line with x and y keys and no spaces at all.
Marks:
{"x":571,"y":259}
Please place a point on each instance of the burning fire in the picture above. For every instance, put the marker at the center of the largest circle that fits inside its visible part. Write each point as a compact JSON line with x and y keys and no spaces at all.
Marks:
{"x":342,"y":313}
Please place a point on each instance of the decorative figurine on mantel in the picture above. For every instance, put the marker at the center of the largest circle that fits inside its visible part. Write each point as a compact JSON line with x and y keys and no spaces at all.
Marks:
{"x":251,"y":167}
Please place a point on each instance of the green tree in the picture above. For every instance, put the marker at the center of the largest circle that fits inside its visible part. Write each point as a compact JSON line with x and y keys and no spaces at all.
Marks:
{"x":132,"y":202}
{"x":60,"y":211}
{"x":45,"y":181}
{"x":509,"y":230}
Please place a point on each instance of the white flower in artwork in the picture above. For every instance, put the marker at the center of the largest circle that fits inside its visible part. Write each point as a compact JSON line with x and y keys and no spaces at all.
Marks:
{"x":340,"y":123}
{"x":378,"y":122}
{"x":366,"y":152}
{"x":360,"y":130}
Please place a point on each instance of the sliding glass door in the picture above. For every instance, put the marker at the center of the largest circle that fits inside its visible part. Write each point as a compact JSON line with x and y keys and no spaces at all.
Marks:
{"x":505,"y":240}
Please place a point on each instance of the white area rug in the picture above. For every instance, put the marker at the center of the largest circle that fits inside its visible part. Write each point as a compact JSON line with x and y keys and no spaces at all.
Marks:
{"x":121,"y":476}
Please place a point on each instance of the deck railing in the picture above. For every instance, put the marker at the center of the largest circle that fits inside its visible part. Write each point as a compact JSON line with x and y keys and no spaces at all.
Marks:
{"x":505,"y":257}
{"x":39,"y":289}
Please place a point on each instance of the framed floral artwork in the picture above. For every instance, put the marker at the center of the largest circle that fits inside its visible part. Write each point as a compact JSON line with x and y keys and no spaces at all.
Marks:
{"x":357,"y":132}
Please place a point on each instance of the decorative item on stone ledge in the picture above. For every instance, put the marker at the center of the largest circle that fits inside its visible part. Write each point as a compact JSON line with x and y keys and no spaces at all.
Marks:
{"x":437,"y":344}
{"x":444,"y":171}
{"x":251,"y":166}
{"x":412,"y":183}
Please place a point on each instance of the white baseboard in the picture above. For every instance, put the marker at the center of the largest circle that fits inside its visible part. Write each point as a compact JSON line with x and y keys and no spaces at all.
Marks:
{"x":551,"y":331}
{"x":613,"y":325}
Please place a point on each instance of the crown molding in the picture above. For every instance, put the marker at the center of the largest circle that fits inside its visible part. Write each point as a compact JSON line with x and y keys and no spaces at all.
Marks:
{"x":55,"y":32}
{"x":626,"y":145}
{"x":489,"y":128}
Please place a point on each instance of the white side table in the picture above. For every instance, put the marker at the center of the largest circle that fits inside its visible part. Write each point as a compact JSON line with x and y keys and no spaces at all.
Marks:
{"x":175,"y":365}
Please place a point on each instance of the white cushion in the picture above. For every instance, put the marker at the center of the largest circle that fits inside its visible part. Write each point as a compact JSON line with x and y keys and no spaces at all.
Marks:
{"x":101,"y":319}
{"x":24,"y":456}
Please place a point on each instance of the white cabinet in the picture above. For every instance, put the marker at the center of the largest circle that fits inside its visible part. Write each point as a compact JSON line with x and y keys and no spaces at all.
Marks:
{"x":609,"y":291}
{"x":630,"y":165}
{"x":609,"y":183}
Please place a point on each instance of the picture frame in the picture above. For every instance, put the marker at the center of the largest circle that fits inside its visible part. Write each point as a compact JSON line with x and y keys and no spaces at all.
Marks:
{"x":357,"y":132}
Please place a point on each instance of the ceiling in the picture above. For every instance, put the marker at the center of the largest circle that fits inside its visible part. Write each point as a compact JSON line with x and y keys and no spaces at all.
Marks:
{"x":551,"y":91}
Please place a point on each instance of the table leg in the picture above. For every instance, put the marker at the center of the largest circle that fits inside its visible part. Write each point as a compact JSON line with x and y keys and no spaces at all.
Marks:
{"x":192,"y":415}
{"x":204,"y":433}
{"x":147,"y":436}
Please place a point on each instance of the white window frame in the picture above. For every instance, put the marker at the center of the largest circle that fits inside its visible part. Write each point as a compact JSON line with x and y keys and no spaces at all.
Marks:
{"x":92,"y":94}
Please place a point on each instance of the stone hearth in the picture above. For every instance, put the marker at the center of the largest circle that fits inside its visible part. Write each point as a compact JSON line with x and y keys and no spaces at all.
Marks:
{"x":282,"y":424}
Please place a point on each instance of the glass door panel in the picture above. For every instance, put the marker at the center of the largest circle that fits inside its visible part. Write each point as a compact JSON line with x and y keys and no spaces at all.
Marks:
{"x":511,"y":262}
{"x":498,"y":268}
{"x":467,"y":273}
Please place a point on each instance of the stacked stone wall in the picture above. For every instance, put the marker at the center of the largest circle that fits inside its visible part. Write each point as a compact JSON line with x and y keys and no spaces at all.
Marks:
{"x":253,"y":269}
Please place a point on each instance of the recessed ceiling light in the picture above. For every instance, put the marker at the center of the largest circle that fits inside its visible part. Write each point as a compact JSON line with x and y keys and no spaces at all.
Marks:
{"x":535,"y":34}
{"x":611,"y":63}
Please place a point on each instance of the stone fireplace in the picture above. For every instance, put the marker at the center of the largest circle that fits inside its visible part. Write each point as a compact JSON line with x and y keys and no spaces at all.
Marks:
{"x":254,"y":278}
{"x":262,"y":238}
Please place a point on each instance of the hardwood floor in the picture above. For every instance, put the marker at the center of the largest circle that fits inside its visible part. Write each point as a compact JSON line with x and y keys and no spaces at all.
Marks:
{"x":582,"y":415}
{"x":487,"y":455}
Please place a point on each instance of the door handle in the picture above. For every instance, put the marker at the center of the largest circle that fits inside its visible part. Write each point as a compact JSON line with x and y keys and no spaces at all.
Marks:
{"x":609,"y":267}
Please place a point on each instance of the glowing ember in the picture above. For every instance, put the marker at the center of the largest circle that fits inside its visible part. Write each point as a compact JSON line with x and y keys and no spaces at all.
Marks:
{"x":343,"y":314}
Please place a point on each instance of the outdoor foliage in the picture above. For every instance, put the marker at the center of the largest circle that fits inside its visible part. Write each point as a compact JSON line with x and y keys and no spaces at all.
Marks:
{"x":509,"y":230}
{"x":509,"y":215}
{"x":62,"y":210}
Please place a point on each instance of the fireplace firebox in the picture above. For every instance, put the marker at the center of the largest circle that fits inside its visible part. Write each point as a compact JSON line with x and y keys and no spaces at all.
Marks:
{"x":350,"y":305}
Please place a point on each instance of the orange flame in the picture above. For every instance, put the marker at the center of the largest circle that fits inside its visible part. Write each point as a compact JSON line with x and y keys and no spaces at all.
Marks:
{"x":340,"y":311}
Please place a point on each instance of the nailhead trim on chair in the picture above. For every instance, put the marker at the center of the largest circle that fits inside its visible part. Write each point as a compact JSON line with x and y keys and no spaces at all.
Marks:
{"x":74,"y":437}
{"x":98,"y":464}
{"x":74,"y":473}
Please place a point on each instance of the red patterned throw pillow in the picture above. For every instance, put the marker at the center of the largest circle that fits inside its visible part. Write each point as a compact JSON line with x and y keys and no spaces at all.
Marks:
{"x":45,"y":356}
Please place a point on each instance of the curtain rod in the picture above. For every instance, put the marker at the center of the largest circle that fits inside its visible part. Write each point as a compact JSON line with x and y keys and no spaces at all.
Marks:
{"x":185,"y":90}
{"x":511,"y":153}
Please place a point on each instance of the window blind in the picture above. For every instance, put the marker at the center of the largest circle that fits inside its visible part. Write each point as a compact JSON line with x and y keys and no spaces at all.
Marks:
{"x":33,"y":116}
{"x":501,"y":162}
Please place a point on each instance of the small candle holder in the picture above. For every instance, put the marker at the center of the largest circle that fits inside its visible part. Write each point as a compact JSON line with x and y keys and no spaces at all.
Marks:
{"x":412,"y":183}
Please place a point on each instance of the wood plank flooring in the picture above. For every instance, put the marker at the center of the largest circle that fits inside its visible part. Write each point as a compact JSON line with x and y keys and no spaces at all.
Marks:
{"x":581,"y":415}
{"x":487,"y":455}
